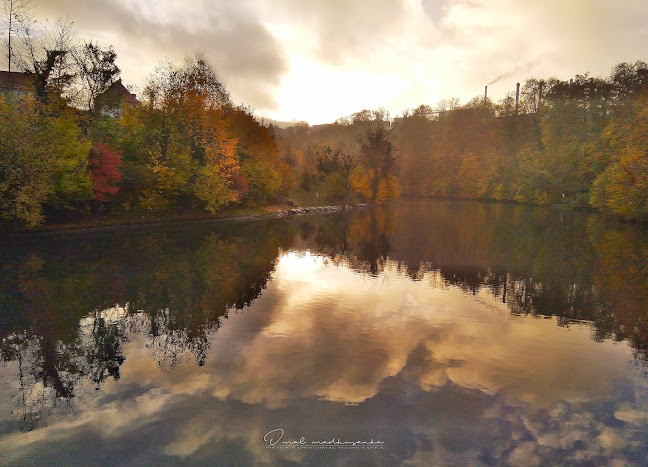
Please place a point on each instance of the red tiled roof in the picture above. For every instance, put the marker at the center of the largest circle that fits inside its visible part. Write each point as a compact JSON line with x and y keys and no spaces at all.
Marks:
{"x":119,"y":90}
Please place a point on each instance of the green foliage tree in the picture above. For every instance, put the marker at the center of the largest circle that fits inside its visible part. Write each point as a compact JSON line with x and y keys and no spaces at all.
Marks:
{"x":43,"y":159}
{"x":337,"y":168}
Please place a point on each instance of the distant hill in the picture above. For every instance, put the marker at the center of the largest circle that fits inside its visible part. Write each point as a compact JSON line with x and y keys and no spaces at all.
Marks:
{"x":266,"y":121}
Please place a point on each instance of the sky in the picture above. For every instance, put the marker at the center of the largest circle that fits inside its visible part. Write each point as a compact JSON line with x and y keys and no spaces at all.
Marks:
{"x":317,"y":60}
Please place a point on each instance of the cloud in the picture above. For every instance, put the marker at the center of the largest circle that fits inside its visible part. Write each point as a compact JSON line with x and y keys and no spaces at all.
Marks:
{"x":245,"y":54}
{"x":319,"y":59}
{"x":412,"y":52}
{"x":337,"y":30}
{"x":494,"y":37}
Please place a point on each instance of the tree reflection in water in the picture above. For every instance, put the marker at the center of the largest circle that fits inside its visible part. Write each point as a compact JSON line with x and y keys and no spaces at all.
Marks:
{"x":69,"y":302}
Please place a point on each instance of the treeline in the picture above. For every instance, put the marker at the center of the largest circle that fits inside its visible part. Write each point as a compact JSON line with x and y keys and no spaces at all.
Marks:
{"x":582,"y":141}
{"x":185,"y":147}
{"x":352,"y":160}
{"x":75,"y":142}
{"x":71,"y":145}
{"x":188,"y":147}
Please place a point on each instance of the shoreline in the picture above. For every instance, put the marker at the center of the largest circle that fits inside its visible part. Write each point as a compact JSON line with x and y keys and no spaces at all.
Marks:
{"x":106,"y":225}
{"x":507,"y":201}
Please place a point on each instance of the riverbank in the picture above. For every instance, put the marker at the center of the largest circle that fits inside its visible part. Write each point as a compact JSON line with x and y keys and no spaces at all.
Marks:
{"x":572,"y":206}
{"x":240,"y":214}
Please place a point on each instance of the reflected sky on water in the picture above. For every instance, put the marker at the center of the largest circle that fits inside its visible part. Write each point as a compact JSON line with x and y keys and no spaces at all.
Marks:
{"x":455,"y":333}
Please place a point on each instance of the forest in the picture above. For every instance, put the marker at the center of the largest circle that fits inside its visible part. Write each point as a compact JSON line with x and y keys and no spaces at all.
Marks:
{"x":581,"y":142}
{"x":75,"y":144}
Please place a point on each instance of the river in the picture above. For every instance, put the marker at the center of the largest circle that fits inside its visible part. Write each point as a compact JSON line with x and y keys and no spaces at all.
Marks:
{"x":423,"y":333}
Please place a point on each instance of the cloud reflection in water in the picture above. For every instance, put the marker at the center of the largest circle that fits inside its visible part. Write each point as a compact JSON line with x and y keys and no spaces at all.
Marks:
{"x":328,"y":351}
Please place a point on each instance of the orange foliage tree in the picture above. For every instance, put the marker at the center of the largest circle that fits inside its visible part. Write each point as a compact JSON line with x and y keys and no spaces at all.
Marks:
{"x":377,"y":182}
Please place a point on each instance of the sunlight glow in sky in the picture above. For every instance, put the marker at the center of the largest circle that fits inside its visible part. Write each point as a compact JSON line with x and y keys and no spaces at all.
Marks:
{"x":317,"y":60}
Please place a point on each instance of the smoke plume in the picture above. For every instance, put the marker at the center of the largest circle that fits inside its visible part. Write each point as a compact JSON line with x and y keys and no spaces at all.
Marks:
{"x":521,"y":68}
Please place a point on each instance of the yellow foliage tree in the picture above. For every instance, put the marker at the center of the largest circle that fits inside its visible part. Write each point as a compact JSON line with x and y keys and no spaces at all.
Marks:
{"x":622,"y":189}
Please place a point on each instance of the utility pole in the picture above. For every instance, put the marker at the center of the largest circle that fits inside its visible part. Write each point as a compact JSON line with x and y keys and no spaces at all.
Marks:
{"x":17,"y":10}
{"x":9,"y":32}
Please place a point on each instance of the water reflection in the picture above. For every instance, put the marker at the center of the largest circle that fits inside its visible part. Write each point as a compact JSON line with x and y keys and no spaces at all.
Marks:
{"x":412,"y":324}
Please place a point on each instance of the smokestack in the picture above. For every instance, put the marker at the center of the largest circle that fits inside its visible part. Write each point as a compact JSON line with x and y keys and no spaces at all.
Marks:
{"x":517,"y":97}
{"x":485,"y":93}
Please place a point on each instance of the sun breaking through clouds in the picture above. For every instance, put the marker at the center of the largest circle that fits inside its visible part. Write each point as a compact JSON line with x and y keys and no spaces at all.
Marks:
{"x":316,"y":60}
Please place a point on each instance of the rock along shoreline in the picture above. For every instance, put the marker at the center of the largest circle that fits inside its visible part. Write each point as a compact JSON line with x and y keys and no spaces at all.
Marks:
{"x":307,"y":210}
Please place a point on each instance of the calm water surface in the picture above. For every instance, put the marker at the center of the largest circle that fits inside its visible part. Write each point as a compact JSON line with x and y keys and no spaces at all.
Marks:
{"x":432,"y":332}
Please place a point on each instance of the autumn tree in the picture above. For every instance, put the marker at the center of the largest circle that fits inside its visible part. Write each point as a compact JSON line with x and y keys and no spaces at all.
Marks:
{"x":183,"y":124}
{"x":378,"y":182}
{"x":471,"y":176}
{"x":574,"y":117}
{"x":267,"y":176}
{"x":622,"y":188}
{"x":629,"y":80}
{"x":43,"y":160}
{"x":414,"y":136}
{"x":104,"y":171}
{"x":531,"y":95}
{"x":337,"y":167}
{"x":201,"y":149}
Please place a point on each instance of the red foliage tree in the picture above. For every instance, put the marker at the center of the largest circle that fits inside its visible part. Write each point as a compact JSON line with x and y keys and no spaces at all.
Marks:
{"x":104,"y":170}
{"x":240,"y":183}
